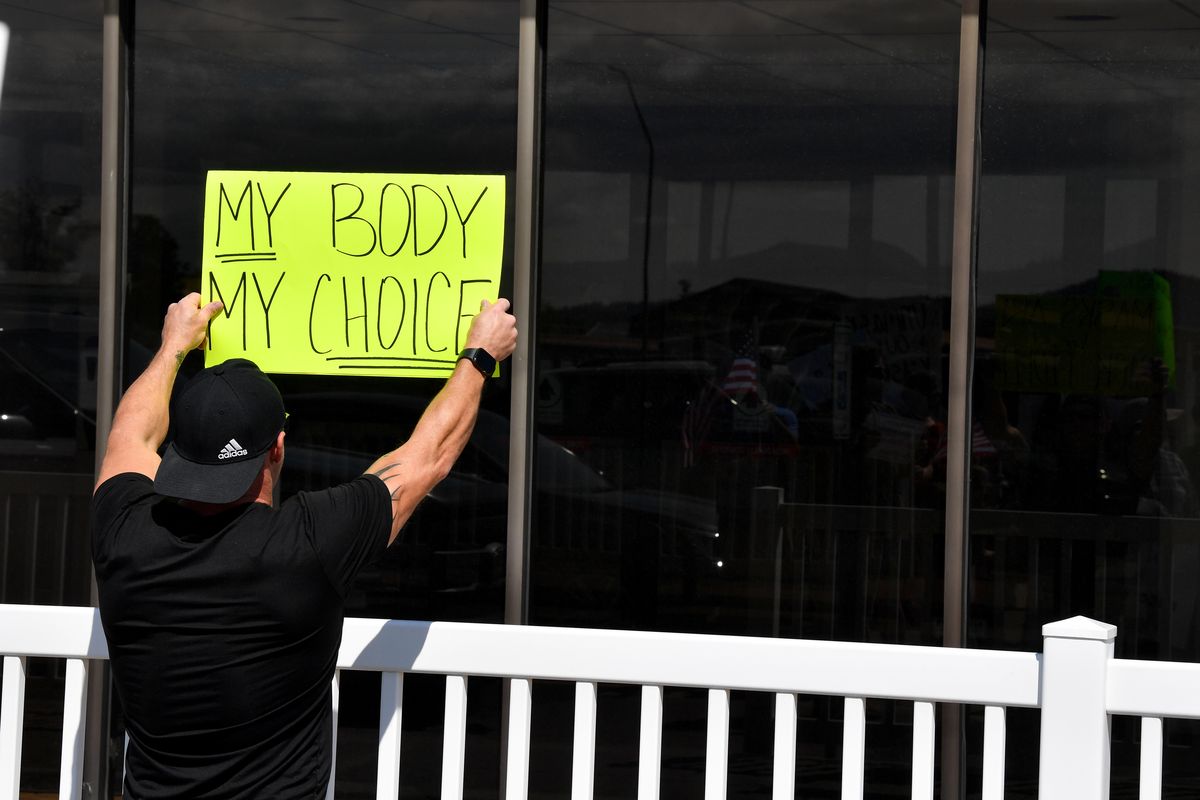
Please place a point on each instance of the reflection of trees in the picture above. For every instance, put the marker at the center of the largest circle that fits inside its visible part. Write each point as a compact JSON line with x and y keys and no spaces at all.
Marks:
{"x":37,"y":234}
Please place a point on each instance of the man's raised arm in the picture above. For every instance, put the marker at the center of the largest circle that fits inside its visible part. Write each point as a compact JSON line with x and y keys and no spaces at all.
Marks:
{"x":140,"y":424}
{"x":415,"y":467}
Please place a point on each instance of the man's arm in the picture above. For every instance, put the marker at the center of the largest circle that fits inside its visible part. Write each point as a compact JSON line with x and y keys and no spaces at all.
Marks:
{"x":140,"y":424}
{"x":415,"y":467}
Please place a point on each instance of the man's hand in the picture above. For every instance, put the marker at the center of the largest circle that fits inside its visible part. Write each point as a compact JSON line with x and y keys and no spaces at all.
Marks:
{"x":186,"y":324}
{"x":140,"y":423}
{"x":494,"y":329}
{"x":411,"y":470}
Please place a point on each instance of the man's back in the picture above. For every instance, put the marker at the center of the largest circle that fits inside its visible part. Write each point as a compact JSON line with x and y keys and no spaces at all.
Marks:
{"x":224,"y":630}
{"x":224,"y":616}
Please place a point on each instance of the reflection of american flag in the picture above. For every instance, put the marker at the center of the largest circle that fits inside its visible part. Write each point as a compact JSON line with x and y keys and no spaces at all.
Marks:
{"x":743,"y":372}
{"x":981,"y":445}
{"x":697,"y":420}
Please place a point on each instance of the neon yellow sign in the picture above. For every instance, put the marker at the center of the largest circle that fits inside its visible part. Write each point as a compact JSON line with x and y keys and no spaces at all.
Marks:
{"x":349,"y":273}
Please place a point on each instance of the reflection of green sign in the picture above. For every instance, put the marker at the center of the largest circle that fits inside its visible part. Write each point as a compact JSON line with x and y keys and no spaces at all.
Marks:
{"x":1147,"y":286}
{"x":349,"y":273}
{"x":1098,"y":344}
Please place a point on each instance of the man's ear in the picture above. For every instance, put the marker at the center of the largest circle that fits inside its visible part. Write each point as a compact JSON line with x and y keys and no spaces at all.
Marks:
{"x":277,"y":448}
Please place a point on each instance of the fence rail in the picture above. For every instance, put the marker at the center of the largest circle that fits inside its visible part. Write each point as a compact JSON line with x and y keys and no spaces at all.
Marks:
{"x":1075,"y":681}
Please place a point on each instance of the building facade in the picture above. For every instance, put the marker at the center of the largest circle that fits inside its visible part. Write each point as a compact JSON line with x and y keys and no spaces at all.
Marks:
{"x":865,"y":320}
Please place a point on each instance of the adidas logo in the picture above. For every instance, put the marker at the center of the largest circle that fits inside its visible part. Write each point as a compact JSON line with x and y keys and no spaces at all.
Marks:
{"x":232,"y":450}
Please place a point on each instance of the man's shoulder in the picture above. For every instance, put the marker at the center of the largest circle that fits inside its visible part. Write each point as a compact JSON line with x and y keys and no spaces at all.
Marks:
{"x":126,"y":479}
{"x":120,"y":491}
{"x":115,"y":503}
{"x":347,"y":525}
{"x":364,"y":487}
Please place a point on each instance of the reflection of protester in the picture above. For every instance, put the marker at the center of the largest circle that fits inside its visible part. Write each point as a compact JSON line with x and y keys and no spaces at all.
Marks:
{"x":1006,"y":469}
{"x":738,"y":405}
{"x":744,"y":386}
{"x":223,"y":612}
{"x":1065,"y":472}
{"x":1156,"y":481}
{"x":1098,"y":463}
{"x":999,"y":452}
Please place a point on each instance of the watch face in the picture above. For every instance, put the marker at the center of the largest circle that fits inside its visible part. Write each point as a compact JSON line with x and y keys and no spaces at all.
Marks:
{"x":484,"y":362}
{"x":481,"y":360}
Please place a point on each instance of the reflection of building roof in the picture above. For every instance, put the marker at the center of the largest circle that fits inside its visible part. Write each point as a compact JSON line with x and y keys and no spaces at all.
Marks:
{"x":603,"y":332}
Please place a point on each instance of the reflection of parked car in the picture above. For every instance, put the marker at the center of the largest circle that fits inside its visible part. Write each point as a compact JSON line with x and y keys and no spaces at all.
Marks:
{"x":48,"y":393}
{"x":449,"y":561}
{"x":622,"y":418}
{"x":607,"y":394}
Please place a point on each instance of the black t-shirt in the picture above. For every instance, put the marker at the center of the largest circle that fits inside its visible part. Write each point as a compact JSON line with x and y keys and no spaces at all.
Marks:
{"x":224,"y":631}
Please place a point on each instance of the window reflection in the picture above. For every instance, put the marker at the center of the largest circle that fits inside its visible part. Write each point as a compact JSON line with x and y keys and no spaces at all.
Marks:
{"x":326,"y":85}
{"x":744,"y":285}
{"x":49,"y":239}
{"x":49,"y":251}
{"x":49,"y":244}
{"x":733,"y":293}
{"x":401,"y":87}
{"x":1083,"y":467}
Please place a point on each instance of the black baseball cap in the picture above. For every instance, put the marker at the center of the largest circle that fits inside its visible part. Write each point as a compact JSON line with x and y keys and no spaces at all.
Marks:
{"x":226,"y":419}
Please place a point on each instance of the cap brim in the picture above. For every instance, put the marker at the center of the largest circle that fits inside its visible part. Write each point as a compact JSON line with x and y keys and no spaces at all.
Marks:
{"x":205,"y":483}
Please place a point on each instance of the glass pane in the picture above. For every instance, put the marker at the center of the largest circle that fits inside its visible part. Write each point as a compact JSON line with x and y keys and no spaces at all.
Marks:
{"x":399,"y":87}
{"x":49,"y":257}
{"x":1086,"y":422}
{"x":745,"y":284}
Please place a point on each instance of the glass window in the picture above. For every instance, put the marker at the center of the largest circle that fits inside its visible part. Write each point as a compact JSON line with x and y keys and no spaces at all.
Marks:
{"x":49,"y":257}
{"x":1086,"y":422}
{"x":745,"y":284}
{"x":400,"y":87}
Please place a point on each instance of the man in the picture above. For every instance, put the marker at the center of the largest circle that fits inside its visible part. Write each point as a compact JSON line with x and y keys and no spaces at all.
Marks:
{"x":223,"y":613}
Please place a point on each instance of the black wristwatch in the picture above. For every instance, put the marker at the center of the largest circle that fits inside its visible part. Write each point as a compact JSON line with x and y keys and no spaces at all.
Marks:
{"x":480,"y":359}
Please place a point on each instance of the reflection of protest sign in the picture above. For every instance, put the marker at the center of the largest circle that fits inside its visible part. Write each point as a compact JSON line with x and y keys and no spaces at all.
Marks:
{"x":349,"y":273}
{"x":1085,"y":345}
{"x":1152,"y":287}
{"x":908,"y":335}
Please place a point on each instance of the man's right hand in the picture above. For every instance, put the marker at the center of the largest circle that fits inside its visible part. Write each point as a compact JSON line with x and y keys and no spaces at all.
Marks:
{"x":140,"y":424}
{"x":494,"y":329}
{"x":186,"y":324}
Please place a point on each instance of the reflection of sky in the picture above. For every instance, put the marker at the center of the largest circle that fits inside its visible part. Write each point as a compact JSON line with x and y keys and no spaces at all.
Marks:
{"x":823,"y":134}
{"x":54,"y":56}
{"x":817,"y":127}
{"x":792,"y":232}
{"x":50,"y":148}
{"x":323,"y":86}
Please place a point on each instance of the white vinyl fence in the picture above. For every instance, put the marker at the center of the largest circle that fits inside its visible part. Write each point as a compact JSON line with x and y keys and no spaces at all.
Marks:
{"x":1076,"y":682}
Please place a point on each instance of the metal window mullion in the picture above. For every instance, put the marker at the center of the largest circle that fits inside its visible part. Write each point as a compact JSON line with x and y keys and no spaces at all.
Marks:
{"x":526,"y":263}
{"x":962,"y":341}
{"x":114,"y":150}
{"x":527,"y":193}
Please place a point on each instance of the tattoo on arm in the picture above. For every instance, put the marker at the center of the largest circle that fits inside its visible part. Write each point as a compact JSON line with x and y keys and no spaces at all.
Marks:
{"x":179,"y":356}
{"x":387,"y":469}
{"x":390,"y":469}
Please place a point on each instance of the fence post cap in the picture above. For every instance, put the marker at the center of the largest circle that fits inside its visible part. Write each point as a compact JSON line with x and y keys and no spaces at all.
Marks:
{"x":1080,"y":628}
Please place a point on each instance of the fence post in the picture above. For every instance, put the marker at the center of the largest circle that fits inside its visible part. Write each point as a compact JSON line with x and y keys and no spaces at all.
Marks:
{"x":1075,"y":727}
{"x":767,"y":543}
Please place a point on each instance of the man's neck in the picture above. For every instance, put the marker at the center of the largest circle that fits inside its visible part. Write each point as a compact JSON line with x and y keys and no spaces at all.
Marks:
{"x":212,"y":509}
{"x":261,"y":491}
